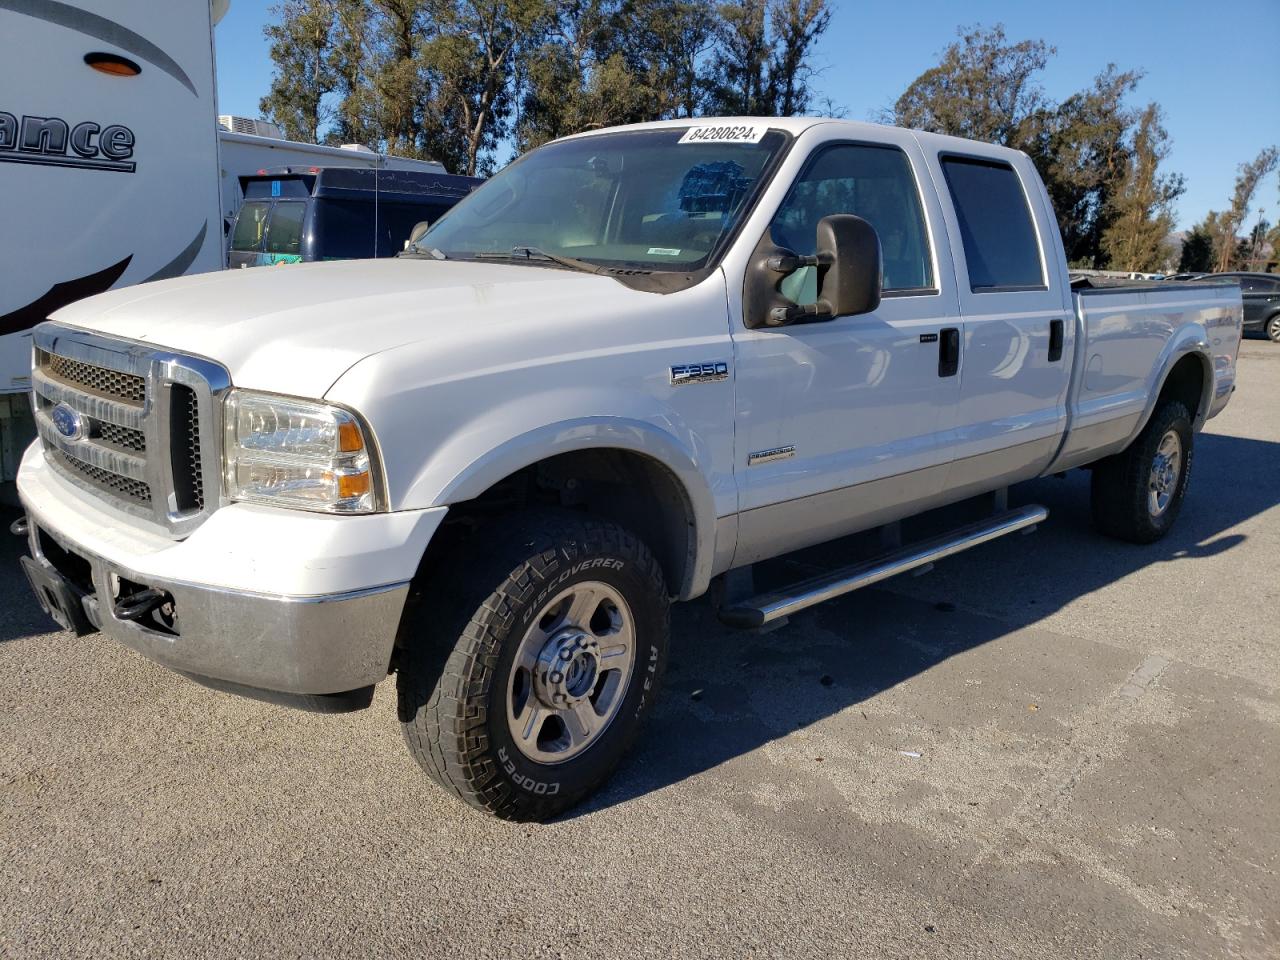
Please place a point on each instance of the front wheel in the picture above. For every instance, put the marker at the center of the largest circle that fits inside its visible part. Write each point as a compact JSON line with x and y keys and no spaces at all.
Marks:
{"x":1137,"y":493}
{"x":1273,"y":329}
{"x":533,"y":669}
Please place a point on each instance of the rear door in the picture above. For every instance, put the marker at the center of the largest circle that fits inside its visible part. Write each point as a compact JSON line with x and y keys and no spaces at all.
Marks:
{"x":1018,"y":327}
{"x":285,"y":228}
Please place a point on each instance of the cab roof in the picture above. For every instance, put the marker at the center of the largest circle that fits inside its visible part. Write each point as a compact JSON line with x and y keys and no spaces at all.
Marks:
{"x":853,"y":129}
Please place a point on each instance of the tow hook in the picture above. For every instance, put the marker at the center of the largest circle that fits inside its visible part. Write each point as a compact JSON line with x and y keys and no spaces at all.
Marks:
{"x":19,"y":527}
{"x":138,"y":605}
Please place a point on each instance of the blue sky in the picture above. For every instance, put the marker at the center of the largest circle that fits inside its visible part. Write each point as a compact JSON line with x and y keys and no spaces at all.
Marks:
{"x":1211,"y":66}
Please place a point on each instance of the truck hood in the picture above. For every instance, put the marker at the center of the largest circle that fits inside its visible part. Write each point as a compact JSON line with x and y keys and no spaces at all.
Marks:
{"x":297,"y":329}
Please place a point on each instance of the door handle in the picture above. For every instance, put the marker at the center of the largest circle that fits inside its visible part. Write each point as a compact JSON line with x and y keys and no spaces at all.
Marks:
{"x":948,"y":351}
{"x":1056,"y":333}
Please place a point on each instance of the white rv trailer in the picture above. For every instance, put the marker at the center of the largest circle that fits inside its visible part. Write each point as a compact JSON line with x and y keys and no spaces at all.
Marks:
{"x":109,"y":164}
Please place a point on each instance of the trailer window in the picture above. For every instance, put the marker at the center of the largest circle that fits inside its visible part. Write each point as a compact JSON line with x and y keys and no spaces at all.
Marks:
{"x":285,"y":232}
{"x":250,"y":226}
{"x":1000,"y":244}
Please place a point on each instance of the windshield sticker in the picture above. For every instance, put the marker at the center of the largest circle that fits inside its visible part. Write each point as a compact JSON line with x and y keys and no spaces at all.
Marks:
{"x":724,"y":134}
{"x":663,"y":252}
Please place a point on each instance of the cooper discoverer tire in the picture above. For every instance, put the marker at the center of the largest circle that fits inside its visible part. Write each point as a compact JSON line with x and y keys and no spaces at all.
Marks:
{"x":1136,"y":494}
{"x":533,"y":664}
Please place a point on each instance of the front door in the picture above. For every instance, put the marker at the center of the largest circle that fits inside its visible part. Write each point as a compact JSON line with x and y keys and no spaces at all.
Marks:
{"x":842,"y":423}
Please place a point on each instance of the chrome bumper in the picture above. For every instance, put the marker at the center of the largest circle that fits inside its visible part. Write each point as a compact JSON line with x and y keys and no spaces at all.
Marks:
{"x":255,"y":644}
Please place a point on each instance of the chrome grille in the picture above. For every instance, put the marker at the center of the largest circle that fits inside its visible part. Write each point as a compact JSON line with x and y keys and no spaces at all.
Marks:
{"x":188,"y":471}
{"x":125,"y":437}
{"x":100,"y":380}
{"x":135,"y":490}
{"x":136,"y":426}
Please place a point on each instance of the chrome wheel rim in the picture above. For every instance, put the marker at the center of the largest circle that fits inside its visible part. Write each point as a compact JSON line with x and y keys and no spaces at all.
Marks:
{"x":1164,"y":473}
{"x":571,"y":672}
{"x":1273,"y":328}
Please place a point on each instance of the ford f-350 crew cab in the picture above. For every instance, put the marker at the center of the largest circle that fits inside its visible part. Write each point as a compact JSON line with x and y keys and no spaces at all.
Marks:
{"x":632,"y":363}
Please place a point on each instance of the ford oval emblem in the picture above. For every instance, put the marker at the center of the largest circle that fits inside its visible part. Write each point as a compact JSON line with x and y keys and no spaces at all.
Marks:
{"x":68,"y":422}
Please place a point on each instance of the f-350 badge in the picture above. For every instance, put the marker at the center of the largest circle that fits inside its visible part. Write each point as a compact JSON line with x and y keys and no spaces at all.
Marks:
{"x":683,"y":373}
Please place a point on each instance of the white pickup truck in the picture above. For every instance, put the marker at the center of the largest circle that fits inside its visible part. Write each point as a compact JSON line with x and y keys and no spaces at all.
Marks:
{"x":628,"y":367}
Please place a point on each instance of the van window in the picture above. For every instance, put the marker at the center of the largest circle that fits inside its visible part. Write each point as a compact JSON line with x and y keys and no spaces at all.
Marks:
{"x":872,"y":182}
{"x":258,"y":189}
{"x":344,"y":229}
{"x":250,"y":226}
{"x":285,"y":233}
{"x":1000,"y":244}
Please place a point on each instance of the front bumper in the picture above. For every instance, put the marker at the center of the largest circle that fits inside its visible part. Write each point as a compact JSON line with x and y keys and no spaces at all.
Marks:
{"x":299,"y":645}
{"x":324,"y":617}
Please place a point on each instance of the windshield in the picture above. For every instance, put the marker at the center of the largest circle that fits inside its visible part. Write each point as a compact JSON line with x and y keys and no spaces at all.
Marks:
{"x":651,"y":200}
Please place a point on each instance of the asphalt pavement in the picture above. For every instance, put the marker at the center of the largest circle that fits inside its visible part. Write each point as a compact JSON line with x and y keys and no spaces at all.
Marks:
{"x":1053,"y":746}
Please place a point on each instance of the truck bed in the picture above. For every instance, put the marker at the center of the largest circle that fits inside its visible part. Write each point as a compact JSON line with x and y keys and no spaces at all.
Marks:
{"x":1128,"y":333}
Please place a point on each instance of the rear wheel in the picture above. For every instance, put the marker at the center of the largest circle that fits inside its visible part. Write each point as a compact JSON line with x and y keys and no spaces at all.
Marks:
{"x":1273,"y":329}
{"x":535,"y":664}
{"x":1137,"y":494}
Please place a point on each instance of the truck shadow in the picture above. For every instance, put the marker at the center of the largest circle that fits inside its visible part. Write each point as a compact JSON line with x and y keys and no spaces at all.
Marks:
{"x":730,"y":692}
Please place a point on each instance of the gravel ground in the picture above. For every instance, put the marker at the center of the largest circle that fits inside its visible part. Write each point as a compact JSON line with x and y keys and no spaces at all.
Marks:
{"x":1059,"y":746}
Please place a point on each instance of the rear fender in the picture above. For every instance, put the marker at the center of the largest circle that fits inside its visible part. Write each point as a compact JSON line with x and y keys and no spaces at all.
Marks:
{"x":1190,"y":339}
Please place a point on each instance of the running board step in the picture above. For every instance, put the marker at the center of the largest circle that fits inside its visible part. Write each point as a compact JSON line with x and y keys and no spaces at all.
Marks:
{"x":768,"y":607}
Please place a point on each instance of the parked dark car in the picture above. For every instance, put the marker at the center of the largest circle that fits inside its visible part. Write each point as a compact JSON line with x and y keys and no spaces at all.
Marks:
{"x":1261,"y":295}
{"x":296,"y":214}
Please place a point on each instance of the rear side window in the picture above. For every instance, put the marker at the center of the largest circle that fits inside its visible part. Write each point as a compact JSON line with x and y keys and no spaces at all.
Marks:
{"x":285,"y":233}
{"x":1000,"y":244}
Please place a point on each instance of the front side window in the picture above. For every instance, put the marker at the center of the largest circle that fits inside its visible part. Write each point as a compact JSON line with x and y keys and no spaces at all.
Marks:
{"x":651,"y":200}
{"x":872,"y":182}
{"x":251,"y":225}
{"x":999,"y":236}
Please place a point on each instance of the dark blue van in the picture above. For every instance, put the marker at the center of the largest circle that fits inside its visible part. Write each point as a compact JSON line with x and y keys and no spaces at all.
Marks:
{"x":296,"y":214}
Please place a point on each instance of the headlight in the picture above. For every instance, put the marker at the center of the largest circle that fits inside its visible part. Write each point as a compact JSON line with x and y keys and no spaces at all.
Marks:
{"x":297,"y":453}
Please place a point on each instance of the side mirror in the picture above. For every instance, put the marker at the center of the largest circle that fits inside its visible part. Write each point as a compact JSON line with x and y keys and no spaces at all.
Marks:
{"x":417,"y":233}
{"x":849,"y":249}
{"x":848,"y":263}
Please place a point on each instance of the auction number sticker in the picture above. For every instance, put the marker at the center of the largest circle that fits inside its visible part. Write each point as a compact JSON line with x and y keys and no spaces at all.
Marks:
{"x":724,"y":133}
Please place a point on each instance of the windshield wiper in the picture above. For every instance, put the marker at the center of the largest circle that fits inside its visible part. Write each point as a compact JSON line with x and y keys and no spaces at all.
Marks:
{"x":535,"y":253}
{"x":413,"y":250}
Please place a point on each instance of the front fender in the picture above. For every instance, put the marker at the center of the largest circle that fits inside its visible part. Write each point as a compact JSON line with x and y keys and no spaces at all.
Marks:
{"x":458,"y":472}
